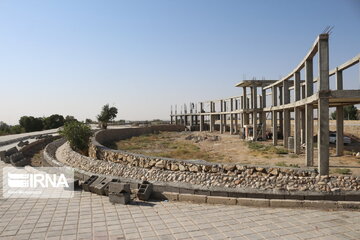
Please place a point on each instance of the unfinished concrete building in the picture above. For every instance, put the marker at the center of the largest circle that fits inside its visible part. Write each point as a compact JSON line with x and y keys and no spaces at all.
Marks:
{"x":294,"y":95}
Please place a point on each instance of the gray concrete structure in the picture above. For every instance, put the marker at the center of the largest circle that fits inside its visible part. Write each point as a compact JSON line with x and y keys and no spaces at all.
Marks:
{"x":305,"y":101}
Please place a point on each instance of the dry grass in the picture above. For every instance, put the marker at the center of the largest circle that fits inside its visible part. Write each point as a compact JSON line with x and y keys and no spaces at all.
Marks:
{"x":164,"y":144}
{"x":265,"y":150}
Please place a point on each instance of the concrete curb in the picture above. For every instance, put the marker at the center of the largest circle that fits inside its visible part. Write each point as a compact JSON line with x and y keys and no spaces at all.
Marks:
{"x":256,"y":202}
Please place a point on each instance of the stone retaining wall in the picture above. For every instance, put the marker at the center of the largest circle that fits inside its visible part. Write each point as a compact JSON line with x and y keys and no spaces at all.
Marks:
{"x":194,"y":183}
{"x":99,"y":151}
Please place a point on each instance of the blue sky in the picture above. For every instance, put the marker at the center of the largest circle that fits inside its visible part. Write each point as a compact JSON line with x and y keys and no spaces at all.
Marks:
{"x":72,"y":57}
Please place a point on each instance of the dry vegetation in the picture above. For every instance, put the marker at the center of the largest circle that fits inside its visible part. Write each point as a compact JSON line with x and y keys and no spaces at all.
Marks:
{"x":164,"y":144}
{"x":225,"y":148}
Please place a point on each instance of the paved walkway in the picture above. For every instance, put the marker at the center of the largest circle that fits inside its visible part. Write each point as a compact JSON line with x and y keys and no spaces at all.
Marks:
{"x":89,"y":216}
{"x":16,"y":136}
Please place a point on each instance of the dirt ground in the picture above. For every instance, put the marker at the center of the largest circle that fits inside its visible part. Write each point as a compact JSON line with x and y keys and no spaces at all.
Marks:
{"x":226,"y":148}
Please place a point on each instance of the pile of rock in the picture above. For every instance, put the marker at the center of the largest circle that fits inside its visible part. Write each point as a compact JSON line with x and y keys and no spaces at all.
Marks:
{"x":200,"y":138}
{"x":13,"y":156}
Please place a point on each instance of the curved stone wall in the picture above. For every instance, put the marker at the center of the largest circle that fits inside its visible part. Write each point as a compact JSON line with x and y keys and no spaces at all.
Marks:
{"x":98,"y":151}
{"x":246,"y":184}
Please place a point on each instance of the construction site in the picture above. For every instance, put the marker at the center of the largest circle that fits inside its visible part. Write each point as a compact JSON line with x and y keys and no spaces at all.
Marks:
{"x":283,"y":110}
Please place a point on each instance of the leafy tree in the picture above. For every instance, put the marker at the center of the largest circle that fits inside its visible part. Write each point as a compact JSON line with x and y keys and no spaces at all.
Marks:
{"x":107,"y":114}
{"x":16,"y":129}
{"x":69,"y":118}
{"x":4,"y":127}
{"x":350,"y":113}
{"x":88,"y":121}
{"x":31,"y":124}
{"x":54,"y":121}
{"x":78,"y":135}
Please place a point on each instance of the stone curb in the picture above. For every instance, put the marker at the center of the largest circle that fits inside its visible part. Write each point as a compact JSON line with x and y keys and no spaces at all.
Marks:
{"x":256,"y":202}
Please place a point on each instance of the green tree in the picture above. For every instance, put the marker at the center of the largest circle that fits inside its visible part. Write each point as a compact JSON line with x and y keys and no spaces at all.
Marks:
{"x":78,"y":135}
{"x":69,"y":118}
{"x":107,"y":114}
{"x":53,"y":121}
{"x":88,"y":121}
{"x":350,"y":113}
{"x":31,"y":124}
{"x":4,"y":127}
{"x":16,"y":129}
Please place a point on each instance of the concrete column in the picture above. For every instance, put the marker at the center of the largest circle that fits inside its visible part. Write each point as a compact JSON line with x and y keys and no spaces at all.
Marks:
{"x":191,"y":116}
{"x":339,"y":118}
{"x":255,"y":126}
{"x":236,"y":130}
{"x":297,"y":132}
{"x":202,"y":117}
{"x":309,"y":135}
{"x":309,"y":114}
{"x":263,"y":114}
{"x":274,"y":96}
{"x":274,"y":115}
{"x":286,"y":100}
{"x":280,"y":113}
{"x":302,"y":127}
{"x":254,"y":114}
{"x":221,"y":117}
{"x":323,"y":106}
{"x":242,"y":113}
{"x":339,"y":131}
{"x":224,"y":118}
{"x":287,"y":128}
{"x":212,"y":119}
{"x":231,"y":117}
{"x":252,"y":97}
{"x":245,"y":107}
{"x":274,"y":127}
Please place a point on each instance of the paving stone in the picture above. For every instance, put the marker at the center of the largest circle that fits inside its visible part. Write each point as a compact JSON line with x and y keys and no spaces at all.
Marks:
{"x":253,"y":202}
{"x":171,"y":196}
{"x":286,"y":203}
{"x":320,"y":204}
{"x":192,"y":198}
{"x":221,"y":200}
{"x":90,"y":216}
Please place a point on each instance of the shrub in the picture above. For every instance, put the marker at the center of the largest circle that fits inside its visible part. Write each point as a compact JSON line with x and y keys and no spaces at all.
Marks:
{"x":344,"y":171}
{"x":281,"y":164}
{"x":77,"y":134}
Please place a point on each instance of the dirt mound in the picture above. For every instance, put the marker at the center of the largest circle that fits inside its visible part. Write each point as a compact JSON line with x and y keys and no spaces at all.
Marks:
{"x":201,"y":138}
